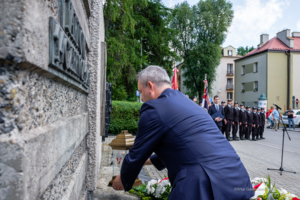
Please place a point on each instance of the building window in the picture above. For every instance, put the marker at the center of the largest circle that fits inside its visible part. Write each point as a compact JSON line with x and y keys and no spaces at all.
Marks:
{"x":229,"y":95}
{"x":243,"y":69}
{"x":255,"y":85}
{"x":255,"y":104}
{"x":229,"y":52}
{"x":229,"y":69}
{"x":255,"y":67}
{"x":243,"y":87}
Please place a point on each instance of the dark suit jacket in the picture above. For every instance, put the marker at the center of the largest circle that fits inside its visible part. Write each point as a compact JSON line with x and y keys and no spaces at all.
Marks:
{"x":201,"y":163}
{"x":263,"y":118}
{"x":212,"y":110}
{"x":250,"y":119}
{"x":228,"y":112}
{"x":243,"y":117}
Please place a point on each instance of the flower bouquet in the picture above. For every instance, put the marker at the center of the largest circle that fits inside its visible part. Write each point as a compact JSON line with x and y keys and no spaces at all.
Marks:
{"x":153,"y":190}
{"x":264,"y":190}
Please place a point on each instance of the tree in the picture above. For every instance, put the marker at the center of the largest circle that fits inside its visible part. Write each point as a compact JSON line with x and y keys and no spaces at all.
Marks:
{"x":243,"y":51}
{"x":209,"y":23}
{"x":182,"y":20}
{"x":126,"y":23}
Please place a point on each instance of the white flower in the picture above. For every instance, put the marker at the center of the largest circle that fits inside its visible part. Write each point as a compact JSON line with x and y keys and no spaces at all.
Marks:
{"x":161,"y":188}
{"x":258,"y":180}
{"x":283,"y":191}
{"x":150,"y":189}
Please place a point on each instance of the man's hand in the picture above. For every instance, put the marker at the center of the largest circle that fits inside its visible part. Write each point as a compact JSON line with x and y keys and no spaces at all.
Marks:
{"x":218,"y":119}
{"x":253,"y":125}
{"x":246,"y":125}
{"x":240,"y":123}
{"x":232,"y":123}
{"x":117,"y":184}
{"x":225,"y":121}
{"x":148,"y":162}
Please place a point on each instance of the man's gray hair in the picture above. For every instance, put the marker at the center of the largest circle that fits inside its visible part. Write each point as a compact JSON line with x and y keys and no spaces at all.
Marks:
{"x":154,"y":74}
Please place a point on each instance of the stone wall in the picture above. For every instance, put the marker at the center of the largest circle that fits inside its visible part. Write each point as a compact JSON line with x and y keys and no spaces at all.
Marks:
{"x":50,"y":122}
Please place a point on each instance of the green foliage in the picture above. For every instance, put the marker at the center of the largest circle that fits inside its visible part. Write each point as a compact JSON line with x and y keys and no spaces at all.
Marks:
{"x":204,"y":28}
{"x":244,"y":50}
{"x":126,"y":23}
{"x":124,"y":116}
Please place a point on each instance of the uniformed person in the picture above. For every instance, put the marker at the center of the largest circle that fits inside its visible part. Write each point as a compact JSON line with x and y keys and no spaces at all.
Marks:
{"x":263,"y":118}
{"x":259,"y":123}
{"x":224,"y":125}
{"x":236,"y":118}
{"x":243,"y":120}
{"x":249,"y":123}
{"x":229,"y":119}
{"x":255,"y":124}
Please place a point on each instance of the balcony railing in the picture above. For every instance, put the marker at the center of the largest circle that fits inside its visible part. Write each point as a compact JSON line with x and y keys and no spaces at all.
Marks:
{"x":229,"y":86}
{"x":230,"y":73}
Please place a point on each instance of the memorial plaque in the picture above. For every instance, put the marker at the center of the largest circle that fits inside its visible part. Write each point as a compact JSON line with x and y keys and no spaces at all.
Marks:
{"x":67,"y":46}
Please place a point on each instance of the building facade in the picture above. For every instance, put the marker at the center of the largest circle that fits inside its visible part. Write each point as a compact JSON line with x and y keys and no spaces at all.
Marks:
{"x":271,"y":69}
{"x":223,"y":86}
{"x":52,"y":92}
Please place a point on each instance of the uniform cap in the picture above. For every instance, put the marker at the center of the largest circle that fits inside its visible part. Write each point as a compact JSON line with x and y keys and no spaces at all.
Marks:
{"x":229,"y":100}
{"x":222,"y":101}
{"x":254,"y":108}
{"x":241,"y":104}
{"x":236,"y":103}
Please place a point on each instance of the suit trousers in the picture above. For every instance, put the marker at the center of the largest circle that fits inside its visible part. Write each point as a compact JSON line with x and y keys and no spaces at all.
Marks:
{"x":262,"y":129}
{"x":254,"y":132}
{"x":243,"y":130}
{"x":257,"y":132}
{"x":228,"y":127}
{"x":249,"y":128}
{"x":235,"y":128}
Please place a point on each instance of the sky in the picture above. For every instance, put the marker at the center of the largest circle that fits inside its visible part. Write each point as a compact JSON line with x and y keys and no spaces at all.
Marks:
{"x":255,"y":17}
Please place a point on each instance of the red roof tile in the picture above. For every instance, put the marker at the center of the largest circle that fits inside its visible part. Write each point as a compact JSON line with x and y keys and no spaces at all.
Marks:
{"x":276,"y":44}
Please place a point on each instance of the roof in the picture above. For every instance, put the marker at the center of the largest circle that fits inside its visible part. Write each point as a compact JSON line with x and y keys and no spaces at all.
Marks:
{"x":275,"y":44}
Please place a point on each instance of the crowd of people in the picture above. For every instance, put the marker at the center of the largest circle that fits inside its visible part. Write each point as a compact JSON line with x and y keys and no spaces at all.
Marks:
{"x":233,"y":119}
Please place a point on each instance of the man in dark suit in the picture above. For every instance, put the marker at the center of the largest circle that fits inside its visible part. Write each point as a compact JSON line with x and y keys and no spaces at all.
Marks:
{"x":229,"y":119}
{"x":262,"y":127}
{"x":186,"y":141}
{"x":249,"y":123}
{"x":236,"y":118}
{"x":259,"y":123}
{"x":215,"y":108}
{"x":243,"y":120}
{"x":223,"y":122}
{"x":255,"y":124}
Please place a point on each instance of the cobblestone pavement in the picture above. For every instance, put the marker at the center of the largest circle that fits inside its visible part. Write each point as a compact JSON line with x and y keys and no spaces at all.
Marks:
{"x":260,"y":155}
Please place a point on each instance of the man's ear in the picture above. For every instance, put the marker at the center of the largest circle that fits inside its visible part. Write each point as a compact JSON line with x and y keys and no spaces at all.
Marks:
{"x":150,"y":84}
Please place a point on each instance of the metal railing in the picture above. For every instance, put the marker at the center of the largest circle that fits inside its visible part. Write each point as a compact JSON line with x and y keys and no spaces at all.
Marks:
{"x":229,"y":86}
{"x":229,"y":72}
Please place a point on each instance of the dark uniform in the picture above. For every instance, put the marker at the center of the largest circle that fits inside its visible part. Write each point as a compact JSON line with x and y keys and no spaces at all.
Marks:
{"x":249,"y":124}
{"x":229,"y":117}
{"x":243,"y":118}
{"x":223,"y":122}
{"x":262,"y":127}
{"x":256,"y":124}
{"x":236,"y":118}
{"x":259,"y":123}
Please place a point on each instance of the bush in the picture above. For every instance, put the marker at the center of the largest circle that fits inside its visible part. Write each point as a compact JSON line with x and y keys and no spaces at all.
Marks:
{"x":124,"y":116}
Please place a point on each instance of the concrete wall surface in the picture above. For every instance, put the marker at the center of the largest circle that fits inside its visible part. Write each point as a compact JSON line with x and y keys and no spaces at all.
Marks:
{"x":250,"y":97}
{"x":50,"y":131}
{"x":219,"y":85}
{"x":295,"y":76}
{"x":277,"y":79}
